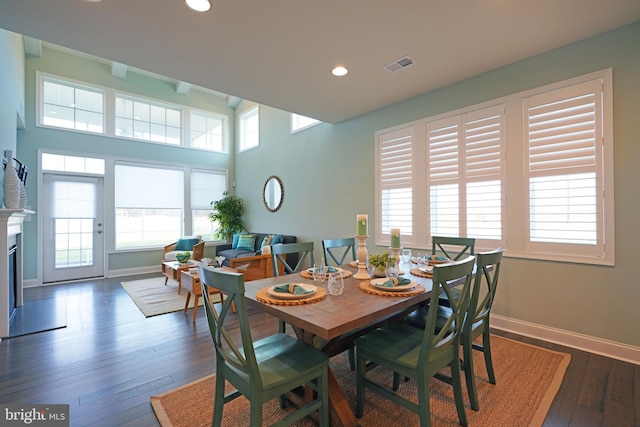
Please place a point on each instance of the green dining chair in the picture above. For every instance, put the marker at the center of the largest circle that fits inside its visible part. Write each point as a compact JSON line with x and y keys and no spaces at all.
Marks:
{"x":338,"y":250}
{"x":476,"y":320}
{"x":262,"y":370}
{"x":454,"y":248}
{"x":278,"y":257}
{"x":419,"y":353}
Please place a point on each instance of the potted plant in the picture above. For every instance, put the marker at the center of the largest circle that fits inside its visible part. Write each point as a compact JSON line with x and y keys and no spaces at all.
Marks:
{"x":380,"y":262}
{"x":227,"y":212}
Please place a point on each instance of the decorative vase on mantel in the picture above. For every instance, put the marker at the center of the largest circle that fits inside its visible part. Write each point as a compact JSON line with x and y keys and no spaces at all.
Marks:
{"x":11,"y":184}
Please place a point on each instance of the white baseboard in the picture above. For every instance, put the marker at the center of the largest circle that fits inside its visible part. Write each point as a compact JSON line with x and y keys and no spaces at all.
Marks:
{"x":32,"y":283}
{"x":615,"y":350}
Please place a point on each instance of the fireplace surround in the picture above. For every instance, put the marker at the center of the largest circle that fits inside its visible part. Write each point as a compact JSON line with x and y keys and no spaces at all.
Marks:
{"x":11,"y":223}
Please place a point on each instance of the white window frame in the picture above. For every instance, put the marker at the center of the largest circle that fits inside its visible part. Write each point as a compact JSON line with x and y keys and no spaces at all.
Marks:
{"x":210,"y":136}
{"x":41,"y":78}
{"x":515,"y":183}
{"x":109,"y":119}
{"x":138,"y":131}
{"x":249,"y":138}
{"x":299,"y":122}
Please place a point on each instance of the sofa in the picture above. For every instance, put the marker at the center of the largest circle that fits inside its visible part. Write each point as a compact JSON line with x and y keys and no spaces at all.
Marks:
{"x":240,"y":247}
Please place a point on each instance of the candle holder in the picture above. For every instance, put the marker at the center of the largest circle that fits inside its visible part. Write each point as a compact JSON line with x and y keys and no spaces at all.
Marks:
{"x":362,"y":258}
{"x":396,"y":253}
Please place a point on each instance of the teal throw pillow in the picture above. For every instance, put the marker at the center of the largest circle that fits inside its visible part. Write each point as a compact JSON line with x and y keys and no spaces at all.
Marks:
{"x":277,"y":239}
{"x":186,"y":244}
{"x":246,"y":242}
{"x":234,"y":242}
{"x":267,"y":240}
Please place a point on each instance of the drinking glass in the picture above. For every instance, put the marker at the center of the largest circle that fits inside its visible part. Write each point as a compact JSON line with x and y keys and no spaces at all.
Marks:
{"x":392,"y":270}
{"x":406,"y":255}
{"x":319,"y":272}
{"x":335,"y":283}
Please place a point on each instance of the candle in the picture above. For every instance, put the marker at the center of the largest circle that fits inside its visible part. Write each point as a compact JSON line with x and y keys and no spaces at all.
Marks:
{"x":363,"y":226}
{"x":395,"y":238}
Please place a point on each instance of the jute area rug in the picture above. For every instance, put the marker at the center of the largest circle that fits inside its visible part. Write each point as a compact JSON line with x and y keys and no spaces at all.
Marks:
{"x":153,"y":298}
{"x":527,"y":377}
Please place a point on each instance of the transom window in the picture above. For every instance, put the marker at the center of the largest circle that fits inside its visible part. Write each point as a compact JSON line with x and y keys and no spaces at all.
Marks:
{"x":299,"y":122}
{"x":81,"y":107}
{"x":249,"y":129}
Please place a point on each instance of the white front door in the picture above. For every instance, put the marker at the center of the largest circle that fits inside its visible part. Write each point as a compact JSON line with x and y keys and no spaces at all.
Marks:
{"x":73,"y":228}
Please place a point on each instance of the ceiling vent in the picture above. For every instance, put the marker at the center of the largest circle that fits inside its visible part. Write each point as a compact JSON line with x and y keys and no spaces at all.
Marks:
{"x":399,"y":64}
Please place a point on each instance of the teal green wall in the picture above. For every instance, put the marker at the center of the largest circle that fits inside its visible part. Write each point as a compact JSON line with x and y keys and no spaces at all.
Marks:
{"x":35,"y":138}
{"x":11,"y":90}
{"x":328,"y":175}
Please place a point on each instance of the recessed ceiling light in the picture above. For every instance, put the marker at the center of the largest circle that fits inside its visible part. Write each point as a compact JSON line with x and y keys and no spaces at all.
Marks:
{"x":198,"y":5}
{"x":339,"y":71}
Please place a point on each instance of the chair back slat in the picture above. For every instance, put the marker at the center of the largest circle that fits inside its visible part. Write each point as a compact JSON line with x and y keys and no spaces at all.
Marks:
{"x":237,"y":353}
{"x":277,"y":252}
{"x":439,"y":334}
{"x":339,"y":250}
{"x":486,"y":281}
{"x":454,"y":248}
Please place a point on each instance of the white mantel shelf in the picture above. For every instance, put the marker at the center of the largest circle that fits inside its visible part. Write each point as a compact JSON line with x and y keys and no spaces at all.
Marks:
{"x":11,"y":221}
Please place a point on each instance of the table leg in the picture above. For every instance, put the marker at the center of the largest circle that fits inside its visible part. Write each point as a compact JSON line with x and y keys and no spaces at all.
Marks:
{"x":186,"y":303}
{"x":195,"y":307}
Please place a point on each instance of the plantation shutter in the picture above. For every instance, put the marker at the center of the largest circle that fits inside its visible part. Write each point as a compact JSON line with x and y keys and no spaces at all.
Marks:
{"x":443,"y":166}
{"x":565,"y":145}
{"x":483,"y":141}
{"x":396,"y":181}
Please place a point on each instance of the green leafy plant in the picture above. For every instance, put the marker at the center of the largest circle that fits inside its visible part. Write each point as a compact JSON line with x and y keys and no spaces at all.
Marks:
{"x":383,"y":260}
{"x":227,"y":213}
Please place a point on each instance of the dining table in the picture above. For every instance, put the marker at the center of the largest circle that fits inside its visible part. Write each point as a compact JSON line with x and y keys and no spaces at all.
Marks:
{"x":332,"y":322}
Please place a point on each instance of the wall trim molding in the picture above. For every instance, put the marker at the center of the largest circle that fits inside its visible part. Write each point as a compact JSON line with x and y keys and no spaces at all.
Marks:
{"x":612,"y":349}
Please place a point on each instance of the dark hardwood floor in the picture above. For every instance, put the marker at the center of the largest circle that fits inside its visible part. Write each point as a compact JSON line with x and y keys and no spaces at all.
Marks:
{"x":110,"y":358}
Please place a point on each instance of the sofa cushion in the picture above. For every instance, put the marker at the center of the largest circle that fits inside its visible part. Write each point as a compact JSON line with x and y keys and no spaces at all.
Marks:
{"x":186,"y":244}
{"x":234,"y":242}
{"x":267,"y":240}
{"x":246,"y":242}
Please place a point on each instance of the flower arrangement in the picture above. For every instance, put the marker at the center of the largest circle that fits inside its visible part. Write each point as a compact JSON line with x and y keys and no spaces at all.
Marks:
{"x":382,"y":261}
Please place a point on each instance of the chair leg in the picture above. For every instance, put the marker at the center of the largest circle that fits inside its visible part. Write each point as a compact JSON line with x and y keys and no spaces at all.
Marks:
{"x":469,"y":374}
{"x":486,"y":349}
{"x":218,"y":401}
{"x":281,"y":326}
{"x":457,"y":392}
{"x":396,"y":381}
{"x":361,"y":371}
{"x":323,"y":392}
{"x":283,"y":401}
{"x":423,"y":402}
{"x":352,"y":358}
{"x":255,"y":414}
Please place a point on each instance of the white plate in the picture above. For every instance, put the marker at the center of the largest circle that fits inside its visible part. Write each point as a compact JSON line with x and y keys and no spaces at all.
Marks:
{"x":378,"y":284}
{"x":428,"y":269}
{"x":286,"y":295}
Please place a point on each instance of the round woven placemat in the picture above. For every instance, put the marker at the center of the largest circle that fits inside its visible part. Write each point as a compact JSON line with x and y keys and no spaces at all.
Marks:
{"x":308,"y":275}
{"x":366,"y":286}
{"x":419,"y":273}
{"x":263,"y":296}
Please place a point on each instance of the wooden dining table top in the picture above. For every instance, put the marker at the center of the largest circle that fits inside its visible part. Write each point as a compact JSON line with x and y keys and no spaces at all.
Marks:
{"x":337,"y":315}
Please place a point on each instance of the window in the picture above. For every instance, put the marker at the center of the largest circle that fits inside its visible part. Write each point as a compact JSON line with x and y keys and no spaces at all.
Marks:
{"x":208,"y":132}
{"x":62,"y":163}
{"x":206,"y":187}
{"x":139,"y":119}
{"x":249,"y":129}
{"x":395,"y":152}
{"x":299,"y":122}
{"x":564,"y":139}
{"x":531,"y":172}
{"x":147,"y":215}
{"x":81,"y":107}
{"x":71,"y":106}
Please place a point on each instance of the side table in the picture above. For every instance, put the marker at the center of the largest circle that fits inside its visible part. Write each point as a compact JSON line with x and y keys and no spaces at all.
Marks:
{"x":172,"y":269}
{"x":191,"y":282}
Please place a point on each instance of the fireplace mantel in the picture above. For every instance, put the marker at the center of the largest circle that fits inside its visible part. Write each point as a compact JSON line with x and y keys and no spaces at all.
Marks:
{"x":11,"y":221}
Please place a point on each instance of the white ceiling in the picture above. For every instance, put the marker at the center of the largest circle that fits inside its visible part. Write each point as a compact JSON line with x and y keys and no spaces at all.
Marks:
{"x":280,"y":52}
